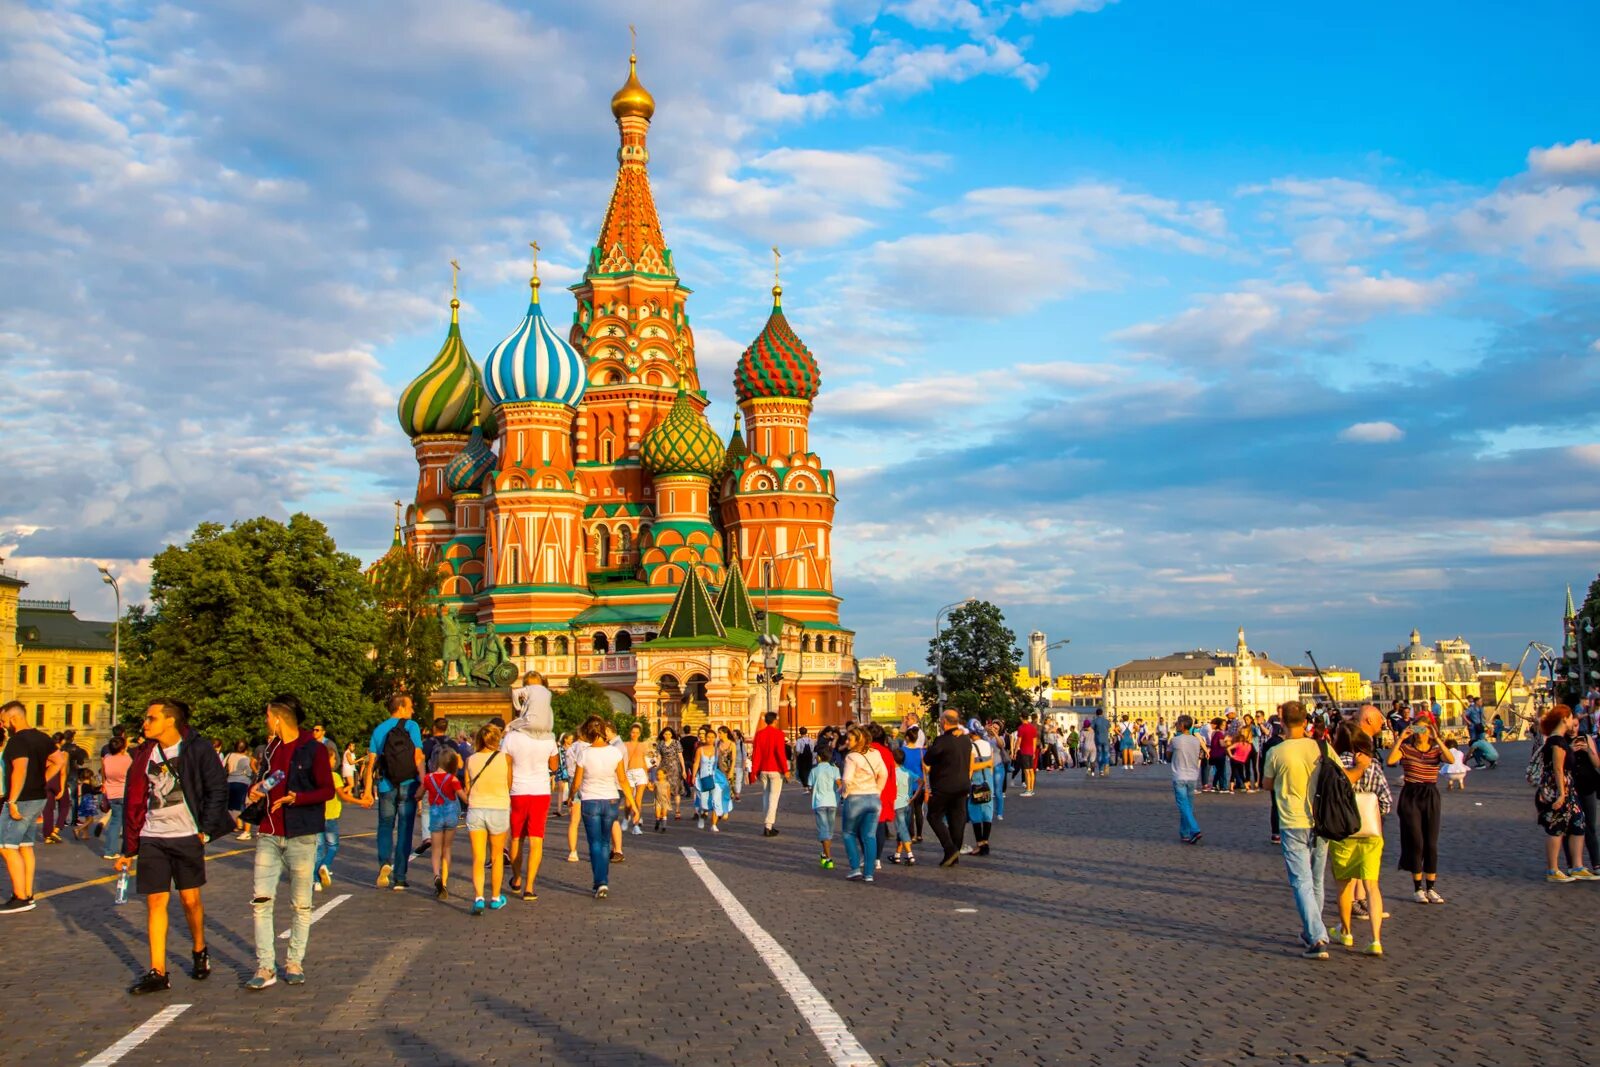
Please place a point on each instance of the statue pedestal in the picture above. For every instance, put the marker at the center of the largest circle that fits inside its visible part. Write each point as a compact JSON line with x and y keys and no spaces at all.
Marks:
{"x":468,"y":707}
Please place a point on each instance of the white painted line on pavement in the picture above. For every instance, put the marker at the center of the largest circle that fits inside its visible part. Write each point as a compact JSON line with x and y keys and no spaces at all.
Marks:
{"x":141,"y":1033}
{"x":837,"y":1041}
{"x":320,"y":912}
{"x":966,"y":911}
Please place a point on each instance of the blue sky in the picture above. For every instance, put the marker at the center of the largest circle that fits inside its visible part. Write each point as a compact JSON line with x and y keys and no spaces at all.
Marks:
{"x":1145,"y":320}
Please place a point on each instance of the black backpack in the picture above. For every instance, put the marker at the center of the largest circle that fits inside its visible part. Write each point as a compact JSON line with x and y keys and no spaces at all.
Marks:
{"x":1334,"y":815}
{"x":398,"y":760}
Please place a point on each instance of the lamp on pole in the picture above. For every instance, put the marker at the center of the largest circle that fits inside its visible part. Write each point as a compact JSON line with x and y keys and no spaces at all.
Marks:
{"x":938,"y":652}
{"x":767,"y":639}
{"x":116,"y":642}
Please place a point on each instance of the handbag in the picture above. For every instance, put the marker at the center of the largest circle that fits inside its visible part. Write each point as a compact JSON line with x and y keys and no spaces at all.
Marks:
{"x":707,"y":783}
{"x":1371,"y":815}
{"x":981,"y":793}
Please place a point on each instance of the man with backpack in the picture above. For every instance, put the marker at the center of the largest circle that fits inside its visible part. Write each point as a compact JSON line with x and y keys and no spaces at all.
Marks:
{"x":394,"y":759}
{"x":1292,"y":773}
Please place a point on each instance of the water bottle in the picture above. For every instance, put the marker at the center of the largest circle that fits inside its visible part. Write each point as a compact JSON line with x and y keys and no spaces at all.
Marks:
{"x":271,"y":782}
{"x":122,"y":888}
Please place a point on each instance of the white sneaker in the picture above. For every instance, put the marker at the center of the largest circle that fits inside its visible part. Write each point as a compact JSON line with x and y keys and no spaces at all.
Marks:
{"x":636,"y":829}
{"x":879,"y":866}
{"x":716,"y":829}
{"x":1434,"y":897}
{"x":1421,"y":897}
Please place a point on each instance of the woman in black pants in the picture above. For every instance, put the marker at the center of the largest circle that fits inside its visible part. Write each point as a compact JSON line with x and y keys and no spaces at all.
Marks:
{"x":1421,"y":753}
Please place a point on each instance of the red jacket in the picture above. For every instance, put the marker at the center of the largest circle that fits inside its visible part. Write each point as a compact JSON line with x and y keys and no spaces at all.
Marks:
{"x":205,"y":790}
{"x":768,"y":752}
{"x":890,"y":788}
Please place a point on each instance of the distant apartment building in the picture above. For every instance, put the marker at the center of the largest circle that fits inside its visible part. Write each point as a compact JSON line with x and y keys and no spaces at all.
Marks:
{"x":1346,"y":686}
{"x":875,"y":669}
{"x":1447,"y":673}
{"x":1199,"y":683}
{"x":62,"y":670}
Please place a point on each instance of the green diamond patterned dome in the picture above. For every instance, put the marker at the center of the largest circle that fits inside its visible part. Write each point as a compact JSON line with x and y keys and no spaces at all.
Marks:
{"x":683,"y":443}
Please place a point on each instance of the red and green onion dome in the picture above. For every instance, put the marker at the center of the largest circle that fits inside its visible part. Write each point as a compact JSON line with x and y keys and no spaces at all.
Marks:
{"x":465,"y":473}
{"x":683,"y":443}
{"x":777,"y":364}
{"x":444,"y":398}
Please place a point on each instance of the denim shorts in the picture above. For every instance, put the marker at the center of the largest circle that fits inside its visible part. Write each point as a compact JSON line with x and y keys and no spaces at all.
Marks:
{"x":488,"y":820}
{"x":21,"y":833}
{"x":446,"y":816}
{"x":902,"y":825}
{"x":824,"y":822}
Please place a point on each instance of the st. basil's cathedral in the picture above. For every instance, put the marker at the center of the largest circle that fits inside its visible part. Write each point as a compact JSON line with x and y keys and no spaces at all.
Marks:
{"x":583,"y":512}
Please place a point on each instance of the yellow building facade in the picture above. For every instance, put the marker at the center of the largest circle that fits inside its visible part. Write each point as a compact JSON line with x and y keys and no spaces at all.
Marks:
{"x":1346,"y":686}
{"x":10,"y":591}
{"x":62,"y":670}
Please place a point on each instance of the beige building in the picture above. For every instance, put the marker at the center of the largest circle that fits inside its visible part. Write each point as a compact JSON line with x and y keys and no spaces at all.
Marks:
{"x":1446,"y":674}
{"x":1345,"y":685}
{"x":875,"y":670}
{"x":1199,"y":683}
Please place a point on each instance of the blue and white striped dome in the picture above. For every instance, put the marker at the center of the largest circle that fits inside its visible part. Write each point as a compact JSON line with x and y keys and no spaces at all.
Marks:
{"x":534,"y":363}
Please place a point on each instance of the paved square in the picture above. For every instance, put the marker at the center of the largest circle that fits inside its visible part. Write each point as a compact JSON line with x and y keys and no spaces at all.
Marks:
{"x":1091,"y":935}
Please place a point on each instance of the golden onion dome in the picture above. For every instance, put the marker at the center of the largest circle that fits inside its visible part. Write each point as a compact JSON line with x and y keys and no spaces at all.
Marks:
{"x":633,"y":98}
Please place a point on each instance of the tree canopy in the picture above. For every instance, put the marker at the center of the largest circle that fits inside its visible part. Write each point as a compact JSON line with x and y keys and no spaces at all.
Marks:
{"x":978,"y":656}
{"x":583,"y":698}
{"x":241,"y":613}
{"x":410,"y":638}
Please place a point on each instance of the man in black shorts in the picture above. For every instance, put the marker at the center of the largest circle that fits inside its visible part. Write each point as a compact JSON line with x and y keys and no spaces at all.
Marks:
{"x":176,"y":800}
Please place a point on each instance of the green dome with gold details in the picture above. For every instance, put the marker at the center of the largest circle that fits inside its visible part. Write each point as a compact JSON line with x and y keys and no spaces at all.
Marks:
{"x":683,"y":443}
{"x":443,"y":398}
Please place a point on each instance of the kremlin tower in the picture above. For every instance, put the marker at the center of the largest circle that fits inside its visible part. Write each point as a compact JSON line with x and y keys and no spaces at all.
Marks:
{"x":585,"y":516}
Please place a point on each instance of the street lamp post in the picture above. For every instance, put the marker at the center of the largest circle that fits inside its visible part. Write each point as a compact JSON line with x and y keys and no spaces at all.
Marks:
{"x":116,"y":643}
{"x":938,"y":653}
{"x":767,"y":639}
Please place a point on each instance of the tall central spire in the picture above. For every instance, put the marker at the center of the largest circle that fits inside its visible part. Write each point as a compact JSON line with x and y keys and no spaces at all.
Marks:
{"x":630,"y":237}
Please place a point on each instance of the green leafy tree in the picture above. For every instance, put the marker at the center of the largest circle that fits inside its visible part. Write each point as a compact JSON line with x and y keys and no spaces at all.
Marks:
{"x":241,"y":613}
{"x":410,"y":637}
{"x":1588,"y":612}
{"x":978,"y":656}
{"x":584,"y":698}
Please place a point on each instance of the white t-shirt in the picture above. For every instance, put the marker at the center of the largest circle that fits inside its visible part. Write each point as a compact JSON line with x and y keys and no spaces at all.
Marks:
{"x":602,"y":767}
{"x":1457,"y":764}
{"x":168,"y":814}
{"x":530,"y":763}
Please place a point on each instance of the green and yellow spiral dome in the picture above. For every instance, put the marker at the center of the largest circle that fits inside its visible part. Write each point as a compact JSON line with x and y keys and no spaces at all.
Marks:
{"x":441,"y":399}
{"x":683,"y":443}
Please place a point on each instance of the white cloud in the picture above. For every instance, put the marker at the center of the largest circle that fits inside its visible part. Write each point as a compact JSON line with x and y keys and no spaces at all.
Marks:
{"x":1264,"y":318}
{"x":1020,"y":247}
{"x":1372,"y":433}
{"x":1336,"y":220}
{"x":1580,"y":159}
{"x":1552,"y":228}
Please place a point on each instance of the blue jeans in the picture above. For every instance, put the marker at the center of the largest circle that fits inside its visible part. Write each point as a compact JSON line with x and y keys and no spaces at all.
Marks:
{"x":274,"y":855}
{"x":598,"y":815}
{"x":398,"y":805}
{"x":1000,"y":794}
{"x":859,"y":821}
{"x":824,"y":817}
{"x":1306,"y":863}
{"x":327,"y":845}
{"x":1183,"y":793}
{"x":114,"y":830}
{"x":1102,"y":757}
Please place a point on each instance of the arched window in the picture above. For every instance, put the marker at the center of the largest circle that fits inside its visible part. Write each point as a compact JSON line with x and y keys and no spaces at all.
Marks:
{"x":510,"y":651}
{"x":805,"y":642}
{"x":651,"y":636}
{"x":601,"y":646}
{"x":607,"y":446}
{"x":522,"y":646}
{"x":602,"y":546}
{"x":541,"y":646}
{"x":561,"y":646}
{"x":833,"y":644}
{"x":624,"y":543}
{"x":624,"y":641}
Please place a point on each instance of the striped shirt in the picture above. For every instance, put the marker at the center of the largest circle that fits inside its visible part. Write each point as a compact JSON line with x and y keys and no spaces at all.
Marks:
{"x":1420,"y":766}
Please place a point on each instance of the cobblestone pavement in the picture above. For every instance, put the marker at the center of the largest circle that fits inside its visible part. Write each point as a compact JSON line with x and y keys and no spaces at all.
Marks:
{"x":1090,"y":936}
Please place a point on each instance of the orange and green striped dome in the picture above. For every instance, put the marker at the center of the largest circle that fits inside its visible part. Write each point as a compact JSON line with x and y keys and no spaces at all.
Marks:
{"x":777,"y":363}
{"x":442,"y":399}
{"x":683,"y":443}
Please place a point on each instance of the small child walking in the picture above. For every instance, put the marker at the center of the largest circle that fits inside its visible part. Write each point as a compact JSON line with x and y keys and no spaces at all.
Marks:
{"x":1454,"y":773}
{"x":824,"y":784}
{"x":902,"y":812}
{"x":88,"y":813}
{"x":328,"y":840}
{"x":443,"y":789}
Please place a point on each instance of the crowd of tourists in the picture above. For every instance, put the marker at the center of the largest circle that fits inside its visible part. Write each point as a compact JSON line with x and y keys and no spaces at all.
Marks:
{"x":163,"y":799}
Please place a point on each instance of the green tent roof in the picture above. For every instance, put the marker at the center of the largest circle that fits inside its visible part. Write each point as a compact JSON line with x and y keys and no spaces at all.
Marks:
{"x":693,"y":614}
{"x":610,"y":613}
{"x":733,"y":602}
